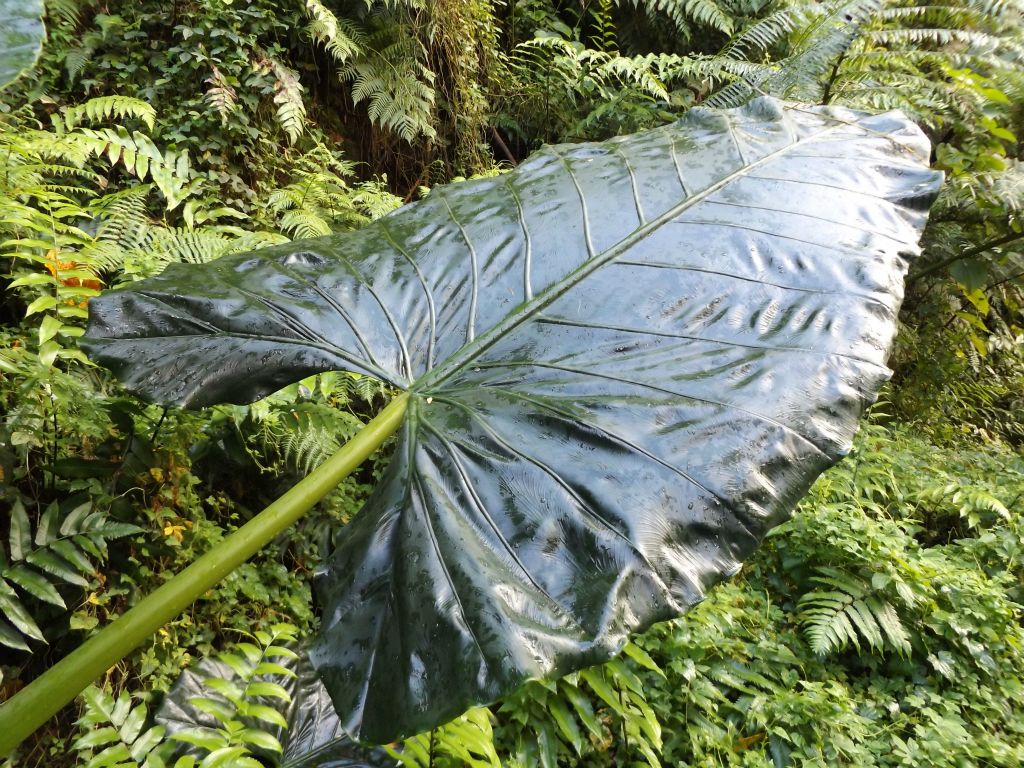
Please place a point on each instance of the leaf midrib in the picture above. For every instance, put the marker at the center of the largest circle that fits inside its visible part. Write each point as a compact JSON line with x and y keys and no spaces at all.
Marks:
{"x":529,"y":309}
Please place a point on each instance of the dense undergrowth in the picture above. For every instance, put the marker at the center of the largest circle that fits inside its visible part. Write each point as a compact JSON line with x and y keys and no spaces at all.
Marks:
{"x":882,"y":625}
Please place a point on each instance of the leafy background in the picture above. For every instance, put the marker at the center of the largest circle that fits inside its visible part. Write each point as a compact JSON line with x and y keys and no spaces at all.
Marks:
{"x":889,"y":607}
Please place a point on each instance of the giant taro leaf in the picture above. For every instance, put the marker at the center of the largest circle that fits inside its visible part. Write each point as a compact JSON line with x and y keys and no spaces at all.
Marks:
{"x":626,"y":362}
{"x":21,"y":36}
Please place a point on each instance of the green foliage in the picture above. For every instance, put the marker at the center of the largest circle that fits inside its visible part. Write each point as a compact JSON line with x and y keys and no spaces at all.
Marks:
{"x":748,"y":677}
{"x":843,"y":608}
{"x":395,"y":84}
{"x":754,"y":687}
{"x":240,"y":708}
{"x":240,"y":704}
{"x":686,"y":14}
{"x":320,"y":200}
{"x":61,"y":550}
{"x":560,"y":90}
{"x":104,"y":108}
{"x":303,"y":424}
{"x":466,"y":741}
{"x":888,"y":609}
{"x":84,"y":466}
{"x":581,"y":715}
{"x":115,"y":734}
{"x":291,"y":111}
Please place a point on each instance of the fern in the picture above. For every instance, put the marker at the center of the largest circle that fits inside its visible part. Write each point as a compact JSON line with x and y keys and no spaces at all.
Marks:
{"x":221,"y":96}
{"x":104,"y":108}
{"x":342,"y":38}
{"x":604,"y":27}
{"x":303,"y":434}
{"x":63,"y":13}
{"x":291,"y":111}
{"x":169,"y":170}
{"x":319,"y":200}
{"x":685,"y":13}
{"x":60,"y":552}
{"x":114,"y":734}
{"x":846,"y":610}
{"x":238,"y":703}
{"x":755,"y":40}
{"x":122,"y":222}
{"x":392,"y":78}
{"x":468,"y":739}
{"x":593,"y":706}
{"x":179,"y":244}
{"x":576,"y":88}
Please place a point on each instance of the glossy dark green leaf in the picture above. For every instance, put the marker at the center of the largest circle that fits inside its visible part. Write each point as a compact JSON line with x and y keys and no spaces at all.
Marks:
{"x":626,"y":362}
{"x":35,"y":584}
{"x":21,"y":36}
{"x":47,"y":561}
{"x":12,"y":609}
{"x":12,"y":638}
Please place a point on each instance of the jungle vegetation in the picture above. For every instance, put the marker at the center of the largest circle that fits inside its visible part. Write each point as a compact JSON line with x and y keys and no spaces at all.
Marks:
{"x":882,"y":625}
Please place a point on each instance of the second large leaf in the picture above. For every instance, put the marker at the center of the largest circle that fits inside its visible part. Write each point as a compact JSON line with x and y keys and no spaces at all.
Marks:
{"x":626,"y":361}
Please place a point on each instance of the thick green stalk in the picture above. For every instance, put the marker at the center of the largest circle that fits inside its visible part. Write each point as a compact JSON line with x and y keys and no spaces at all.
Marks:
{"x":44,"y":697}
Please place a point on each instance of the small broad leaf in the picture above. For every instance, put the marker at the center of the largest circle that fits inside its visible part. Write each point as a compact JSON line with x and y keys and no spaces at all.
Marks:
{"x":262,"y":713}
{"x":584,"y":709}
{"x":21,"y":532}
{"x":96,"y":738}
{"x":147,"y":742}
{"x":205,"y":738}
{"x":114,"y":756}
{"x":73,"y":555}
{"x":223,"y":712}
{"x":267,"y":689}
{"x":641,"y":657}
{"x":625,"y":362}
{"x":971,"y":273}
{"x":260,"y":739}
{"x":133,"y":723}
{"x":48,"y":525}
{"x":229,"y":757}
{"x":73,"y":522}
{"x":566,"y":723}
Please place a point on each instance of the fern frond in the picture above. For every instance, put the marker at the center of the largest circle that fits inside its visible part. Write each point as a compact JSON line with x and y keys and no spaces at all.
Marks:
{"x":107,"y":108}
{"x":303,"y":224}
{"x":170,"y":171}
{"x":221,"y":96}
{"x":846,"y":611}
{"x":939,"y":37}
{"x":58,"y":552}
{"x":604,"y":27}
{"x":392,"y":77}
{"x":685,"y":13}
{"x":291,"y":111}
{"x":114,"y":733}
{"x":76,"y":59}
{"x":307,"y":449}
{"x":758,"y":37}
{"x":177,"y":244}
{"x":342,"y":38}
{"x":123,"y":219}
